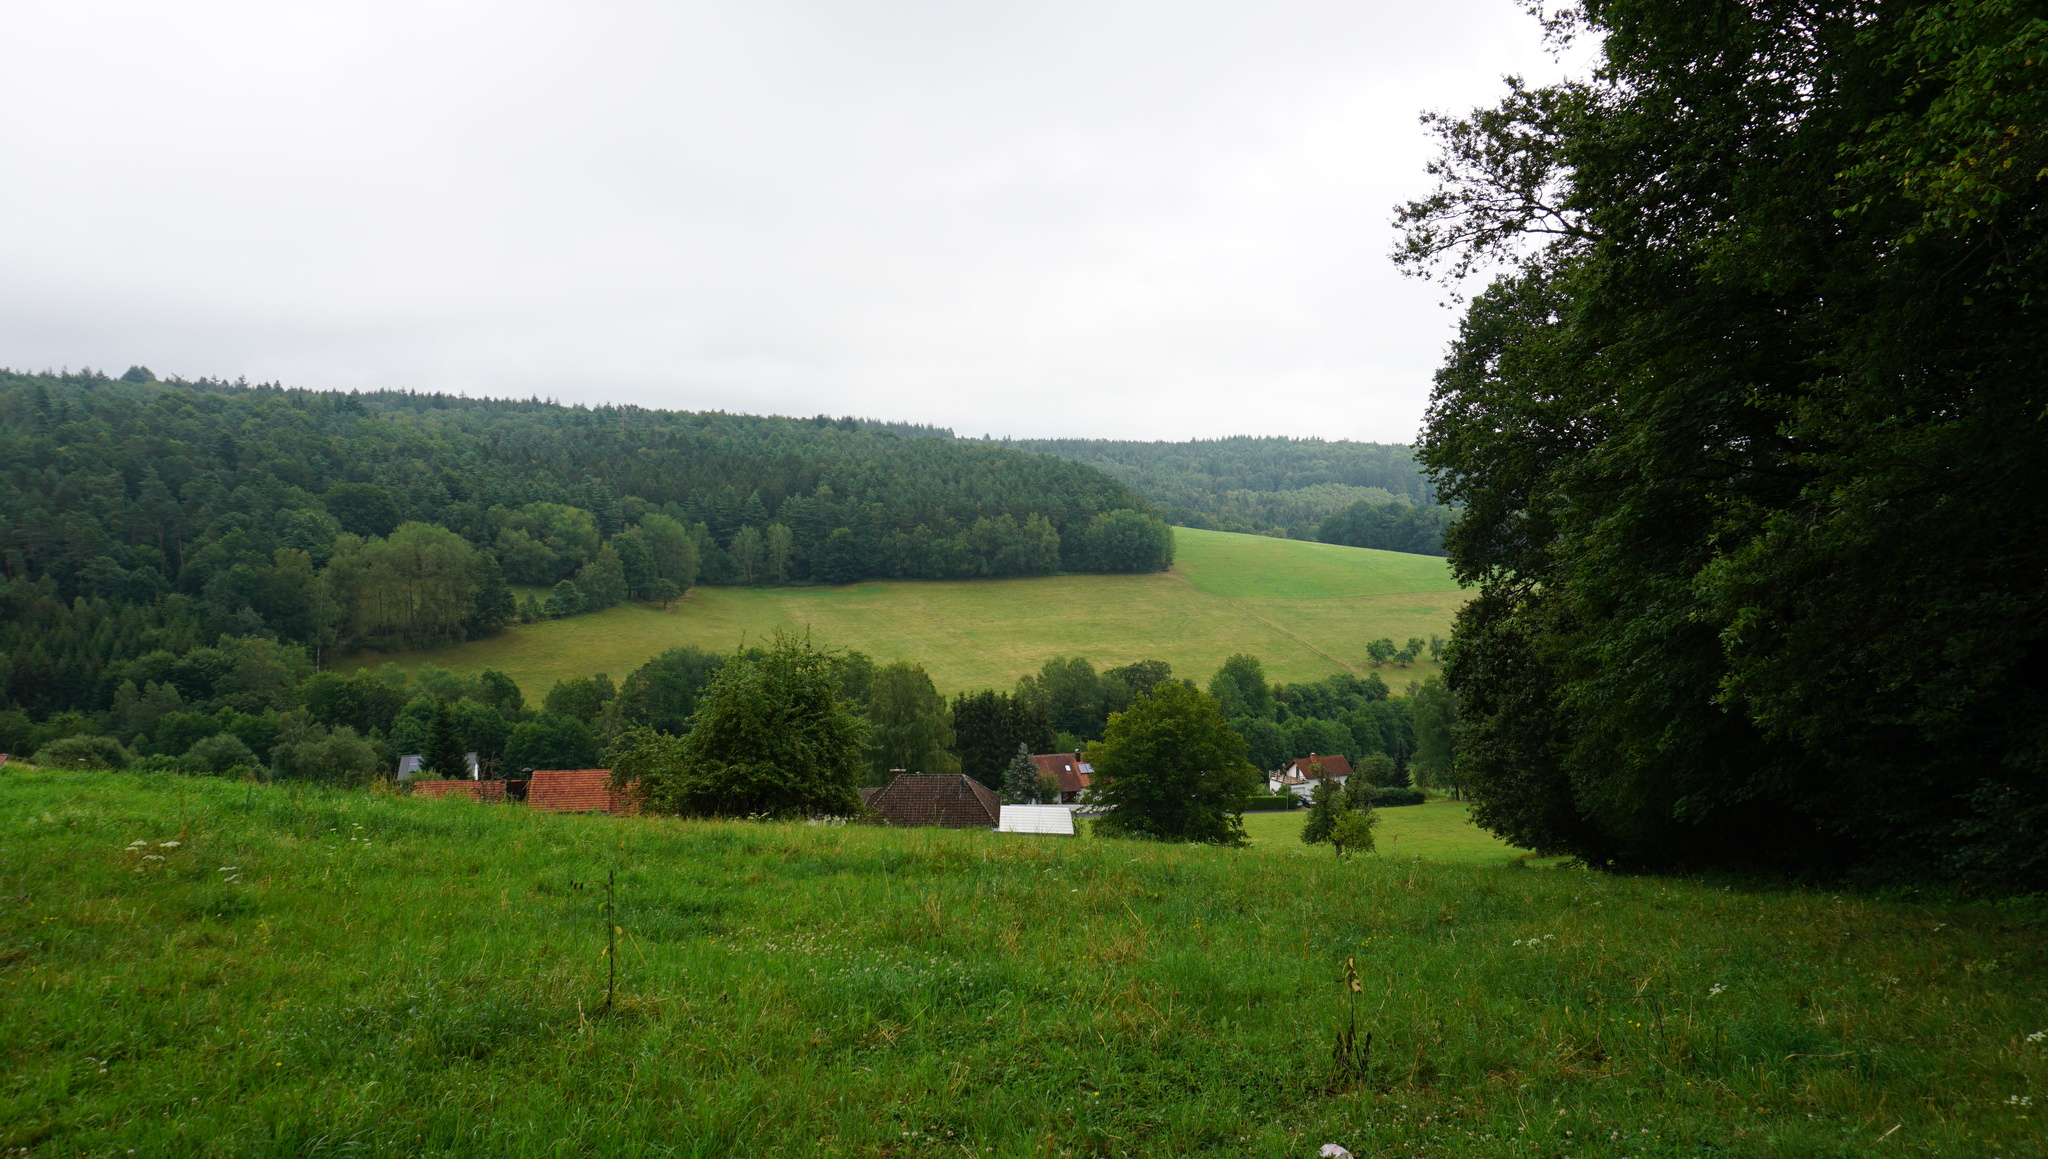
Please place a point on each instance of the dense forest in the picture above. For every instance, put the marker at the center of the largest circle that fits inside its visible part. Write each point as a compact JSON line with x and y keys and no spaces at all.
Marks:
{"x":1748,"y":441}
{"x":1357,"y":494}
{"x":143,"y":522}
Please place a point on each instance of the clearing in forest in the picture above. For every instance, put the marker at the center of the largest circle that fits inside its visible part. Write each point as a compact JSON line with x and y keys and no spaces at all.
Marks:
{"x":1306,"y":609}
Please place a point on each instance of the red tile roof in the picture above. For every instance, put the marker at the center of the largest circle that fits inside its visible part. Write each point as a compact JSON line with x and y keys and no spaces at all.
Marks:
{"x":951,"y":800}
{"x":1068,"y":770}
{"x":488,"y":791}
{"x":1333,"y":765}
{"x":577,"y":791}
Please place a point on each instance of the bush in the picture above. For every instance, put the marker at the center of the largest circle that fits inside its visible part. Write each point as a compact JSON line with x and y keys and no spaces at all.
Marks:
{"x":154,"y":763}
{"x":83,"y":752}
{"x":1265,"y":804}
{"x":342,"y":758}
{"x":218,"y":754}
{"x":1387,"y":798}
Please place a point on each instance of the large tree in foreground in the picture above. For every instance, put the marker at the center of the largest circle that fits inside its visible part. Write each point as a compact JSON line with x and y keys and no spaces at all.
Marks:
{"x":1751,"y":441}
{"x":1170,"y":767}
{"x":769,"y":737}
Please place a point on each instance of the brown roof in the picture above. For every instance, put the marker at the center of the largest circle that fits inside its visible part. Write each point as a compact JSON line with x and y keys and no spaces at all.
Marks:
{"x":951,"y":800}
{"x":473,"y":790}
{"x":577,"y":791}
{"x":1067,"y":770}
{"x":1334,"y":765}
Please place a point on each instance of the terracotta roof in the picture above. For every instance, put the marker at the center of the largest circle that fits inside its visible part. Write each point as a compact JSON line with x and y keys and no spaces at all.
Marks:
{"x":1334,"y":765}
{"x":488,"y":791}
{"x":1068,"y":770}
{"x":577,"y":791}
{"x":951,"y":800}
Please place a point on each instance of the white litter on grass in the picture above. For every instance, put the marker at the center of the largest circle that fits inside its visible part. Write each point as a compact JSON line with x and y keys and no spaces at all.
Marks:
{"x":1332,"y":1151}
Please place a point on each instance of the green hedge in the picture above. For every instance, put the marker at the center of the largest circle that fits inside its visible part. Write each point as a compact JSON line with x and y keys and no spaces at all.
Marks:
{"x":1269,"y":804}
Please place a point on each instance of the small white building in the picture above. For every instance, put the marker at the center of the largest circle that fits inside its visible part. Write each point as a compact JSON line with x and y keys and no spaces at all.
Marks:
{"x":1049,"y":820}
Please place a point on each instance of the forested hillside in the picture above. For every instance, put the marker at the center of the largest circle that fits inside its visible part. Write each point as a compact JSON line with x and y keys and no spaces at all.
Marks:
{"x":142,"y":520}
{"x":1357,"y":494}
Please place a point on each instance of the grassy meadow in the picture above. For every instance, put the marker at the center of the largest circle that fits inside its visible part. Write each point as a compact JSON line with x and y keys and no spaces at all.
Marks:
{"x":195,"y":967}
{"x":1306,"y":609}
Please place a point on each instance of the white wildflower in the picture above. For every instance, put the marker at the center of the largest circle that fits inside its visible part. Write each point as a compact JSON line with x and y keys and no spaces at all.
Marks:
{"x":169,"y":844}
{"x":229,"y":868}
{"x":2037,"y":1036}
{"x":1332,"y":1151}
{"x":1715,"y":989}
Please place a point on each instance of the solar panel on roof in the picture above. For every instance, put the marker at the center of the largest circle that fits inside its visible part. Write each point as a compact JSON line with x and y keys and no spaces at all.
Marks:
{"x":1056,"y":820}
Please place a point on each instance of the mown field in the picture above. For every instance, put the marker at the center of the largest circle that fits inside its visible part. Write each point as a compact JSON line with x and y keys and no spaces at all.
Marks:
{"x":202,"y":968}
{"x":1306,"y":609}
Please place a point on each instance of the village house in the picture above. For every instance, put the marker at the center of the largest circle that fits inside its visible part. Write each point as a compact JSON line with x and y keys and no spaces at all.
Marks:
{"x":1299,"y":776}
{"x":950,"y":800}
{"x":1069,"y":774}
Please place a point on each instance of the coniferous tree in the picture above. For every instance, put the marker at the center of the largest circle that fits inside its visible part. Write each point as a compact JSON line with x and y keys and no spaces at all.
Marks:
{"x":443,"y":755}
{"x":1021,"y":782}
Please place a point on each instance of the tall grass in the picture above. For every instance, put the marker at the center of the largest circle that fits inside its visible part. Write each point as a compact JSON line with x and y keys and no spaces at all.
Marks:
{"x":310,"y":972}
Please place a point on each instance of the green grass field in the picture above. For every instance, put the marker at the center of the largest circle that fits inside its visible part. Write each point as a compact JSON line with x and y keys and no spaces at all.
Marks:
{"x":1437,"y":831}
{"x":194,"y":967}
{"x":1306,"y":609}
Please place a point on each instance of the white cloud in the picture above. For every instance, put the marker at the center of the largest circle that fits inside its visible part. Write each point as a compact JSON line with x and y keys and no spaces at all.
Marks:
{"x":1123,"y":218}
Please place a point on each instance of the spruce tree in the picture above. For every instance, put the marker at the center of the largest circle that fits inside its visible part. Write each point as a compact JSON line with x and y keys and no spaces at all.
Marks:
{"x":443,"y":756}
{"x":1020,"y":780}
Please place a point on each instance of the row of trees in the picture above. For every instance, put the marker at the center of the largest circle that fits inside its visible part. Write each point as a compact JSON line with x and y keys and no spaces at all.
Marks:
{"x":138,"y":516}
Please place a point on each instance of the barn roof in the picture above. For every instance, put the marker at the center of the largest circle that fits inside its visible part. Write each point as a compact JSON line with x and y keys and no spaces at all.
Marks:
{"x":577,"y":791}
{"x":951,"y":800}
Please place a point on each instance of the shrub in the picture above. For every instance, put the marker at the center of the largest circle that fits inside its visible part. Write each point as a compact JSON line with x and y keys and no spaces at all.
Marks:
{"x":342,"y":758}
{"x":154,"y":763}
{"x":83,"y":752}
{"x":1386,"y":798}
{"x":218,"y":754}
{"x":1265,"y":804}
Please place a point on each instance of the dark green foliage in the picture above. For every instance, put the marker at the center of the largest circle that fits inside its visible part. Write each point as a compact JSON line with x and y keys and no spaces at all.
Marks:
{"x":1264,"y":485}
{"x":359,"y":701}
{"x":222,"y":753}
{"x":1266,"y":743}
{"x":1170,"y":768}
{"x":1022,"y":784}
{"x":770,"y":738}
{"x":341,"y":759}
{"x":1069,"y":694}
{"x":480,"y":729}
{"x":1326,"y":801}
{"x":1750,"y":451}
{"x":1276,"y":803}
{"x":549,"y":741}
{"x":1387,"y":798}
{"x":442,"y":755}
{"x":363,"y":509}
{"x":1142,"y":676}
{"x":989,"y":728}
{"x":662,"y":693}
{"x":1388,"y":527}
{"x":139,"y":517}
{"x":582,"y":697}
{"x":1240,"y":687}
{"x":909,"y":726}
{"x":83,"y":752}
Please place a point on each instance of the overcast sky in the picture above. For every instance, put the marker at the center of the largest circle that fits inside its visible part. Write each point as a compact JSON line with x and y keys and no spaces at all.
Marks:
{"x":1105,"y":218}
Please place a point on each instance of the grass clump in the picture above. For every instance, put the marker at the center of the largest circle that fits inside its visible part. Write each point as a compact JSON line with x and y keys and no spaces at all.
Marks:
{"x":200,"y":968}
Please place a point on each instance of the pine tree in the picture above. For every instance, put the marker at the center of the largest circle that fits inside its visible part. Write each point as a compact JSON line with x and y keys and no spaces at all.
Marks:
{"x":1020,"y":780}
{"x":443,"y":756}
{"x":1326,"y":805}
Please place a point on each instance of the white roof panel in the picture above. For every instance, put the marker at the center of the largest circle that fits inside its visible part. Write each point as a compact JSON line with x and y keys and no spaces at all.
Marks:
{"x":1053,"y":819}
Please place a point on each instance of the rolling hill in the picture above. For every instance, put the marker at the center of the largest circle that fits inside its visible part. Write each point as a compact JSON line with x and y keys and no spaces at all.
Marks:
{"x":1306,"y":609}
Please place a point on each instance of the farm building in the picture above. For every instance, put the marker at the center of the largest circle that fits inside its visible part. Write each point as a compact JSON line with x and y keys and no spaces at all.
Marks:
{"x":1053,"y":820}
{"x":950,"y":800}
{"x":1299,"y":776}
{"x":577,"y":791}
{"x":1068,"y":772}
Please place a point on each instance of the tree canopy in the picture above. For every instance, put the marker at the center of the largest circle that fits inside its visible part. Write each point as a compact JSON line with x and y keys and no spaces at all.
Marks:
{"x":1748,"y":440}
{"x":1169,"y":767}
